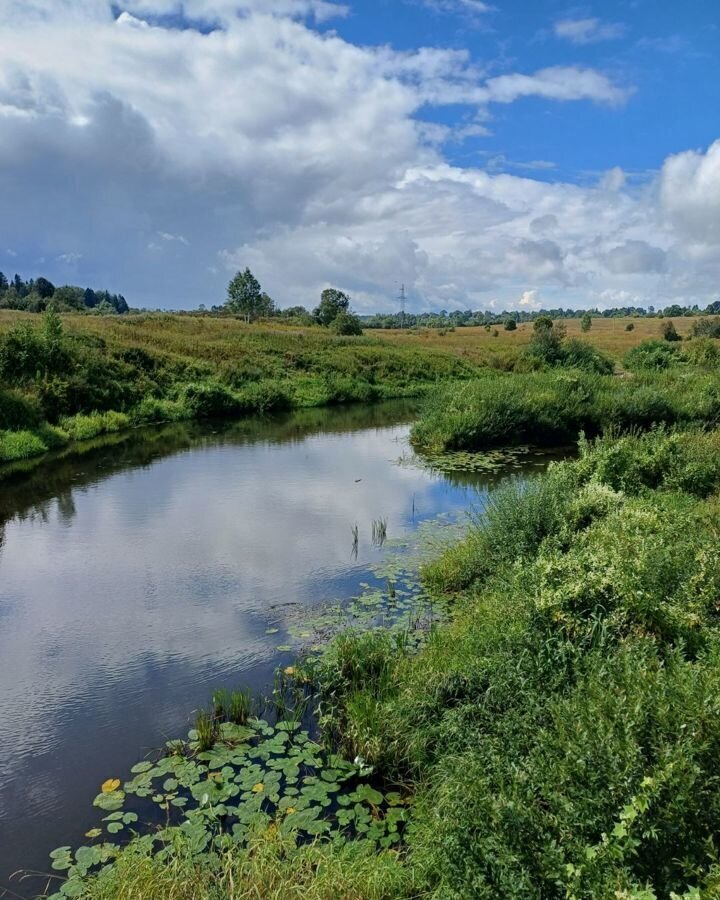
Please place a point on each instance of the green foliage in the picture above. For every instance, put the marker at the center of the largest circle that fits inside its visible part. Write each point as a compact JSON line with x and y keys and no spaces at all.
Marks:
{"x":245,"y":297}
{"x":346,"y":323}
{"x":562,"y":729}
{"x":630,"y":326}
{"x":169,"y":368}
{"x":333,"y":303}
{"x":554,"y":407}
{"x":652,"y":355}
{"x":510,"y":325}
{"x":586,"y":323}
{"x":707,"y":327}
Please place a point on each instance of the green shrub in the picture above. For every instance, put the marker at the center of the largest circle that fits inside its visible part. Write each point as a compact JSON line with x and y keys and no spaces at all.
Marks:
{"x":265,"y":396}
{"x":346,"y":323}
{"x":651,"y":355}
{"x":209,"y":400}
{"x":152,"y":410}
{"x":17,"y":411}
{"x":707,"y":327}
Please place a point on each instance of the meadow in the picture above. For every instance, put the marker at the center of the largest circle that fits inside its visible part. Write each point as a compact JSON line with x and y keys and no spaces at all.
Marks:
{"x":73,"y":378}
{"x":66,"y":378}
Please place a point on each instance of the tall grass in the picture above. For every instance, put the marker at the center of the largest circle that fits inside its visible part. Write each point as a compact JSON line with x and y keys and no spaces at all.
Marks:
{"x":552,"y":408}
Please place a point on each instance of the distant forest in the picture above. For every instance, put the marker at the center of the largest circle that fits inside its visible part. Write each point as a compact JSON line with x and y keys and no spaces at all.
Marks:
{"x":39,"y":294}
{"x":468,"y":317}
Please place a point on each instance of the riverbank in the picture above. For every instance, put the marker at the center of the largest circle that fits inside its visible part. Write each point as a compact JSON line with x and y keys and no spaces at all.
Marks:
{"x":558,"y":735}
{"x":72,"y":378}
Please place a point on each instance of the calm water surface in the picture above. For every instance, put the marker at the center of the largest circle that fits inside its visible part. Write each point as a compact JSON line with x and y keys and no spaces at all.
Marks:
{"x":139,"y":577}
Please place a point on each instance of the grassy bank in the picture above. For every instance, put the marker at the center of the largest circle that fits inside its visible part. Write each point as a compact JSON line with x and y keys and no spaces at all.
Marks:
{"x":560,"y":733}
{"x":553,"y":407}
{"x":73,"y":378}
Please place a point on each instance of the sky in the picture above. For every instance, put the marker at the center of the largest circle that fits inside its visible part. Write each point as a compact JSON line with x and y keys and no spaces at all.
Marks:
{"x":513,"y":154}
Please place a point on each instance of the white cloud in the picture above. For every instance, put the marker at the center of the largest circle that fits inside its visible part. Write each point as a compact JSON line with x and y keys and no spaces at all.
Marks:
{"x":588,"y":30}
{"x":529,"y":300}
{"x":557,"y":83}
{"x":690,"y":192}
{"x":266,"y":143}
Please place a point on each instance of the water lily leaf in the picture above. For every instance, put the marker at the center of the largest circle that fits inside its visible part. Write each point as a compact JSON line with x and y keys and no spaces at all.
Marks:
{"x":110,"y":802}
{"x":284,"y":648}
{"x":271,"y":630}
{"x":366,"y":794}
{"x":141,"y":767}
{"x":93,"y":833}
{"x":115,"y":827}
{"x":112,"y":784}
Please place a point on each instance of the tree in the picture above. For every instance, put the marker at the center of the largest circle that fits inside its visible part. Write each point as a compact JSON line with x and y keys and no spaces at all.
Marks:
{"x":267,"y":305}
{"x":44,"y":288}
{"x":543,"y":324}
{"x":586,"y":322}
{"x":244,"y":295}
{"x":332,"y":303}
{"x":3,"y":283}
{"x":510,"y":325}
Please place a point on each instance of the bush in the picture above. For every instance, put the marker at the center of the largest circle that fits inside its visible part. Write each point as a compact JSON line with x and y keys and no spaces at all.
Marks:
{"x":17,"y":412}
{"x":83,"y":428}
{"x":705,"y":327}
{"x":346,"y":323}
{"x":510,"y":325}
{"x":651,"y":355}
{"x":208,"y":399}
{"x":630,"y":326}
{"x":667,"y":329}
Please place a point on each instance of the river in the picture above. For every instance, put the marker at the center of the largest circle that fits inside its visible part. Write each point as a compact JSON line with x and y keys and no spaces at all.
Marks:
{"x":139,"y":576}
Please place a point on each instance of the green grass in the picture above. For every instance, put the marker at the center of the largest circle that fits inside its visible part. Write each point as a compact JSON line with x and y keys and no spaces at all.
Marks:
{"x":95,"y":378}
{"x":553,"y":407}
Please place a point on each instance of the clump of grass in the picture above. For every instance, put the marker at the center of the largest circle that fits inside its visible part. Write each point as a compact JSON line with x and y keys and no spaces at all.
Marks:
{"x":20,"y":445}
{"x":239,"y":707}
{"x":207,"y":730}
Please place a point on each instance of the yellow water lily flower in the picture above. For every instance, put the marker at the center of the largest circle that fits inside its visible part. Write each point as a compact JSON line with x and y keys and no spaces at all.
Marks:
{"x":290,"y":670}
{"x":112,"y":784}
{"x":258,"y":788}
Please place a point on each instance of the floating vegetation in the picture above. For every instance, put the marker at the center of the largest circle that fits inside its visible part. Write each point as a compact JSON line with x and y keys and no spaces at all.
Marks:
{"x":254,"y":777}
{"x":490,"y":462}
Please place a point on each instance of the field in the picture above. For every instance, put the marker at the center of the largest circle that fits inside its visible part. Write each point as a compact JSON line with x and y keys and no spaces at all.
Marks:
{"x":477,"y":344}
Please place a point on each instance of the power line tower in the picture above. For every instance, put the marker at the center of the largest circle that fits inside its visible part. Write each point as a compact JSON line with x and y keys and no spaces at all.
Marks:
{"x":402,"y":298}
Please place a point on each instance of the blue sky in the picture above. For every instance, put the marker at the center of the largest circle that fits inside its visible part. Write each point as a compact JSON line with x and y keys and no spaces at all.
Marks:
{"x":489,"y":155}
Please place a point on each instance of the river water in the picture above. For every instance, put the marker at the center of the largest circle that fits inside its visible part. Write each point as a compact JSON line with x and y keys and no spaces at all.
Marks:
{"x":143,"y":574}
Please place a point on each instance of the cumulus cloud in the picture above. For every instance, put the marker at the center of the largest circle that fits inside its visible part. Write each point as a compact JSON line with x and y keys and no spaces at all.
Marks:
{"x":529,"y":300}
{"x":588,"y":30}
{"x":159,"y":158}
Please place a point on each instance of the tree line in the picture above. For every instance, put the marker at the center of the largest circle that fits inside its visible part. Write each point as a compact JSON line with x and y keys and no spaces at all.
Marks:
{"x":39,"y":294}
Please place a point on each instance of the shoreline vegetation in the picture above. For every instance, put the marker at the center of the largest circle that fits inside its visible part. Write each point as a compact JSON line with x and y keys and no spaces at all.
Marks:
{"x":556,"y":736}
{"x":70,"y":378}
